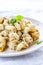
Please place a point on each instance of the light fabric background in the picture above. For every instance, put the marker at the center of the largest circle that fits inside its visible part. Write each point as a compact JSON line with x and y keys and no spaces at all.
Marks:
{"x":29,"y":8}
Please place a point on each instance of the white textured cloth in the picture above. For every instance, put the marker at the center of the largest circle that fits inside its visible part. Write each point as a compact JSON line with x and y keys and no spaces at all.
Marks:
{"x":28,"y":9}
{"x":36,"y":58}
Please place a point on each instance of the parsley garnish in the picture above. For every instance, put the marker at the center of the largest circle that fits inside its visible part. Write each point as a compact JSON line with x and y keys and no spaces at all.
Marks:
{"x":38,"y":42}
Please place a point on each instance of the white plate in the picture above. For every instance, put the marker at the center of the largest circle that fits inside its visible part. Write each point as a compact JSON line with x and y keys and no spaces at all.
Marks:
{"x":10,"y":53}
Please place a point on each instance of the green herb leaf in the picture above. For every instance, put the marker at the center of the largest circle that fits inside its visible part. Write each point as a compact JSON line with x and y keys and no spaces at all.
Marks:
{"x":38,"y":42}
{"x":12,"y":21}
{"x":19,"y":17}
